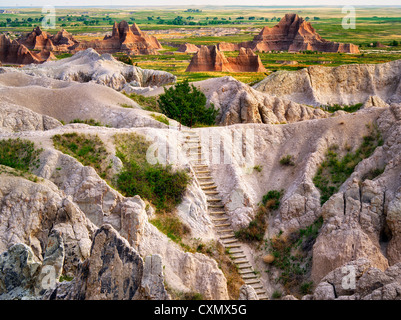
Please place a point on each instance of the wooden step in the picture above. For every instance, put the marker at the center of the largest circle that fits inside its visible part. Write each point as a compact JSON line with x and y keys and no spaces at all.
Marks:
{"x":209,"y":188}
{"x":226,"y":230}
{"x":222,"y":225}
{"x":217,"y":212}
{"x":249,"y":277}
{"x":246,"y":272}
{"x":204,"y":178}
{"x":229,"y":241}
{"x":216,"y":206}
{"x":256,"y":285}
{"x":211,"y":192}
{"x":242,"y":262}
{"x":214,"y":200}
{"x":245,"y":267}
{"x":252,"y":281}
{"x":203,"y":171}
{"x":219,"y":219}
{"x":227,"y":236}
{"x":238,"y":257}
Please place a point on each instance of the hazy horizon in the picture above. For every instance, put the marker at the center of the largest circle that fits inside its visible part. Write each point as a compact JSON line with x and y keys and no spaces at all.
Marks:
{"x":150,"y":3}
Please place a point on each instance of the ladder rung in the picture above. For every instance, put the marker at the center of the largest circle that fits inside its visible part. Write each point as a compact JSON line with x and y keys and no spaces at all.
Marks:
{"x":229,"y":241}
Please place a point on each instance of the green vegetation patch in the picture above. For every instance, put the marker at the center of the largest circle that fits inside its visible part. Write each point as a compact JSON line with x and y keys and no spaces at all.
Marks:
{"x":256,"y":229}
{"x":148,"y":103}
{"x":90,"y":122}
{"x":187,"y":105}
{"x":19,"y":154}
{"x":337,"y":107}
{"x":335,"y":170}
{"x":292,"y":256}
{"x":87,"y":149}
{"x":159,"y":184}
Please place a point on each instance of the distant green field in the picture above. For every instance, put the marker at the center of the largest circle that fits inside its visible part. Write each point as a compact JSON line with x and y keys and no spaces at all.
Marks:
{"x":372,"y":25}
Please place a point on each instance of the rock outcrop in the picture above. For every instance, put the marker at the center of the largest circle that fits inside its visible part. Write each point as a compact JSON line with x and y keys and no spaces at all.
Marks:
{"x":50,"y":98}
{"x":124,"y":38}
{"x":292,"y":34}
{"x":343,"y":85}
{"x":90,"y":66}
{"x":211,"y":59}
{"x":239,"y":103}
{"x":12,"y":52}
{"x":40,"y":40}
{"x":188,"y":48}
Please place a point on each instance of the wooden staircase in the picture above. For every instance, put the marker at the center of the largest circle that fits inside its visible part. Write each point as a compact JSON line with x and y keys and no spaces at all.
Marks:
{"x":218,"y":214}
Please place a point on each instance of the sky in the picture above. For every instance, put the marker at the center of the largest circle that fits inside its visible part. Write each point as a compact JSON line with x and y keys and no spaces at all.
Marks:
{"x":39,"y":3}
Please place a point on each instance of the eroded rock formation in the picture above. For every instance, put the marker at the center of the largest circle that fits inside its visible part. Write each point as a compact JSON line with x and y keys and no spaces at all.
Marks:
{"x":12,"y":52}
{"x":344,"y":85}
{"x":124,"y":38}
{"x":212,"y":59}
{"x":291,"y":34}
{"x":38,"y":39}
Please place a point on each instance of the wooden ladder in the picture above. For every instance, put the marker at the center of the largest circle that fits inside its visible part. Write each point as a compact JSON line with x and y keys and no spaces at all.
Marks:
{"x":218,"y":214}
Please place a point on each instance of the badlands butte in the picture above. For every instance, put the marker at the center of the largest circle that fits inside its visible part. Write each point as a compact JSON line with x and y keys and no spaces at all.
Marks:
{"x":293,"y":192}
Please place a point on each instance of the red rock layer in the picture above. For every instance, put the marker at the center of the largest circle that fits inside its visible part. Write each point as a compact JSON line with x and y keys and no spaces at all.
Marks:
{"x":291,"y":34}
{"x":42,"y":40}
{"x":212,"y":59}
{"x":13,"y":52}
{"x":126,"y":39}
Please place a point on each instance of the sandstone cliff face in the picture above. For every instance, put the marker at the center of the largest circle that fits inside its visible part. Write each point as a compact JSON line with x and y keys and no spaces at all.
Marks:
{"x":42,"y":40}
{"x":124,"y":38}
{"x":212,"y":59}
{"x":291,"y":34}
{"x":15,"y":53}
{"x":344,"y":85}
{"x":90,"y":66}
{"x":239,"y":103}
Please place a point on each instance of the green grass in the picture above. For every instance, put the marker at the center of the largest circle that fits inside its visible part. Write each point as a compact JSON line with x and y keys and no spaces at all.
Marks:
{"x":337,"y":107}
{"x":148,"y":103}
{"x":256,"y":229}
{"x":19,"y":154}
{"x":160,"y":118}
{"x":90,"y":122}
{"x":292,"y":256}
{"x":87,"y":149}
{"x":335,"y":170}
{"x":159,"y":184}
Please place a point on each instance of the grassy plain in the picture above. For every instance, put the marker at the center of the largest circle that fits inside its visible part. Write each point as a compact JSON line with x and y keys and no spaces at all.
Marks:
{"x":210,"y":25}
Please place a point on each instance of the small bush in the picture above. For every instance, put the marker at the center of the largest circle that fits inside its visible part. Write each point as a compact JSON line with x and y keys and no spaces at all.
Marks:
{"x":148,"y":103}
{"x":277,"y":294}
{"x":272,"y":199}
{"x":334,"y":171}
{"x":187,"y":105}
{"x":287,"y":160}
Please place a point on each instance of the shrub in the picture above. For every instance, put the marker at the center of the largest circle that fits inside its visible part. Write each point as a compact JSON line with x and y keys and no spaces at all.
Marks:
{"x":334,"y":171}
{"x":287,"y":160}
{"x":88,"y":149}
{"x":19,"y":154}
{"x":157,"y":183}
{"x":272,"y":199}
{"x":186,"y":104}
